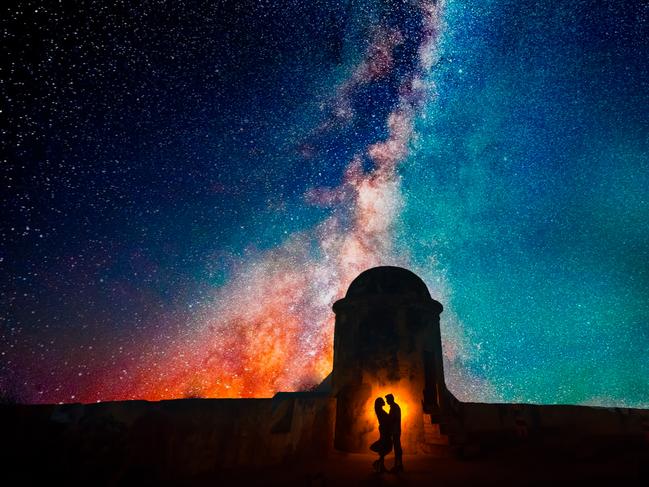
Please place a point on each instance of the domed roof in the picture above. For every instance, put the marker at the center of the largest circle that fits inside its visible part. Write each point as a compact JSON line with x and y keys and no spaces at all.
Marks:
{"x":388,"y":280}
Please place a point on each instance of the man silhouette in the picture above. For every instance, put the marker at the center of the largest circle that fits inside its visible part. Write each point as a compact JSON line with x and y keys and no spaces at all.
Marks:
{"x":395,"y":419}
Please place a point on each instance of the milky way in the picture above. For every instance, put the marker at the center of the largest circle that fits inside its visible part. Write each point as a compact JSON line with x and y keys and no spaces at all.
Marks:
{"x":189,"y":188}
{"x":271,"y":328}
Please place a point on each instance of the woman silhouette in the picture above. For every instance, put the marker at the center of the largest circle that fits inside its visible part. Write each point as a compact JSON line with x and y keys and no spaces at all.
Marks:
{"x":383,"y":445}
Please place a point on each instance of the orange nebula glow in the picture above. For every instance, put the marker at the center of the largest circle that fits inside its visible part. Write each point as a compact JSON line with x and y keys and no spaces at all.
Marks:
{"x":270,"y":327}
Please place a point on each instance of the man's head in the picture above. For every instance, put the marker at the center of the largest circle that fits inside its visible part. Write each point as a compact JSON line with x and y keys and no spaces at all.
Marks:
{"x":389,"y":399}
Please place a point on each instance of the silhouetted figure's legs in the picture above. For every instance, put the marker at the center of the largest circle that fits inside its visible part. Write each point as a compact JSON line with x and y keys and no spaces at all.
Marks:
{"x":398,"y":453}
{"x":379,"y":465}
{"x":395,"y":420}
{"x":384,"y":443}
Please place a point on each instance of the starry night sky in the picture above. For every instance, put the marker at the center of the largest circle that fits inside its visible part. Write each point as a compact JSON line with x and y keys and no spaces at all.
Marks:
{"x":187,"y":188}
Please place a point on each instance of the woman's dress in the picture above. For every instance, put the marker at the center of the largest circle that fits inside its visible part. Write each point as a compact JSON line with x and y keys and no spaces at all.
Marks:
{"x":383,"y":445}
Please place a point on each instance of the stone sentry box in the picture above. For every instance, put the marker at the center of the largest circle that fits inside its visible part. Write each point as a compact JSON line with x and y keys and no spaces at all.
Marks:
{"x":387,"y":340}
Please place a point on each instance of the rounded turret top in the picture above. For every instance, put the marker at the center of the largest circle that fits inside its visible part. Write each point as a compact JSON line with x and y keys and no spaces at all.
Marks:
{"x":388,"y":280}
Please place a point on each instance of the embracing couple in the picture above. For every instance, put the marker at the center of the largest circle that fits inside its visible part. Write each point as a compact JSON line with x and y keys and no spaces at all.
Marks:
{"x":389,"y":434}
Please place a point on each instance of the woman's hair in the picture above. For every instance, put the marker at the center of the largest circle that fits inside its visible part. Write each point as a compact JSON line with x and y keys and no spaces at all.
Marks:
{"x":378,"y":404}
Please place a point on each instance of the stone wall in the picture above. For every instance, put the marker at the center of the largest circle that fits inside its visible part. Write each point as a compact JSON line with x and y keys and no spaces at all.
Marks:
{"x":118,"y":442}
{"x":192,"y":441}
{"x":569,"y":432}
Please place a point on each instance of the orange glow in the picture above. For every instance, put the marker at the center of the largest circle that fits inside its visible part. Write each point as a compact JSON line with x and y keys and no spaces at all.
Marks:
{"x":270,"y":327}
{"x":401,"y":396}
{"x":411,"y":414}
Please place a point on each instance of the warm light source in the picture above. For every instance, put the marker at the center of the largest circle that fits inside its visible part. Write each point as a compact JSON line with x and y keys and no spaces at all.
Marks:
{"x":411,"y":413}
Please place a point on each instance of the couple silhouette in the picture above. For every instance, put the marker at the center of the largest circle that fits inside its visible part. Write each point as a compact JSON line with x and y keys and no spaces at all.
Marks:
{"x":389,"y":434}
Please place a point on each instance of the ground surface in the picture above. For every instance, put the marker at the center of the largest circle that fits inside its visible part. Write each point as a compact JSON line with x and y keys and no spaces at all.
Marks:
{"x":355,"y":470}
